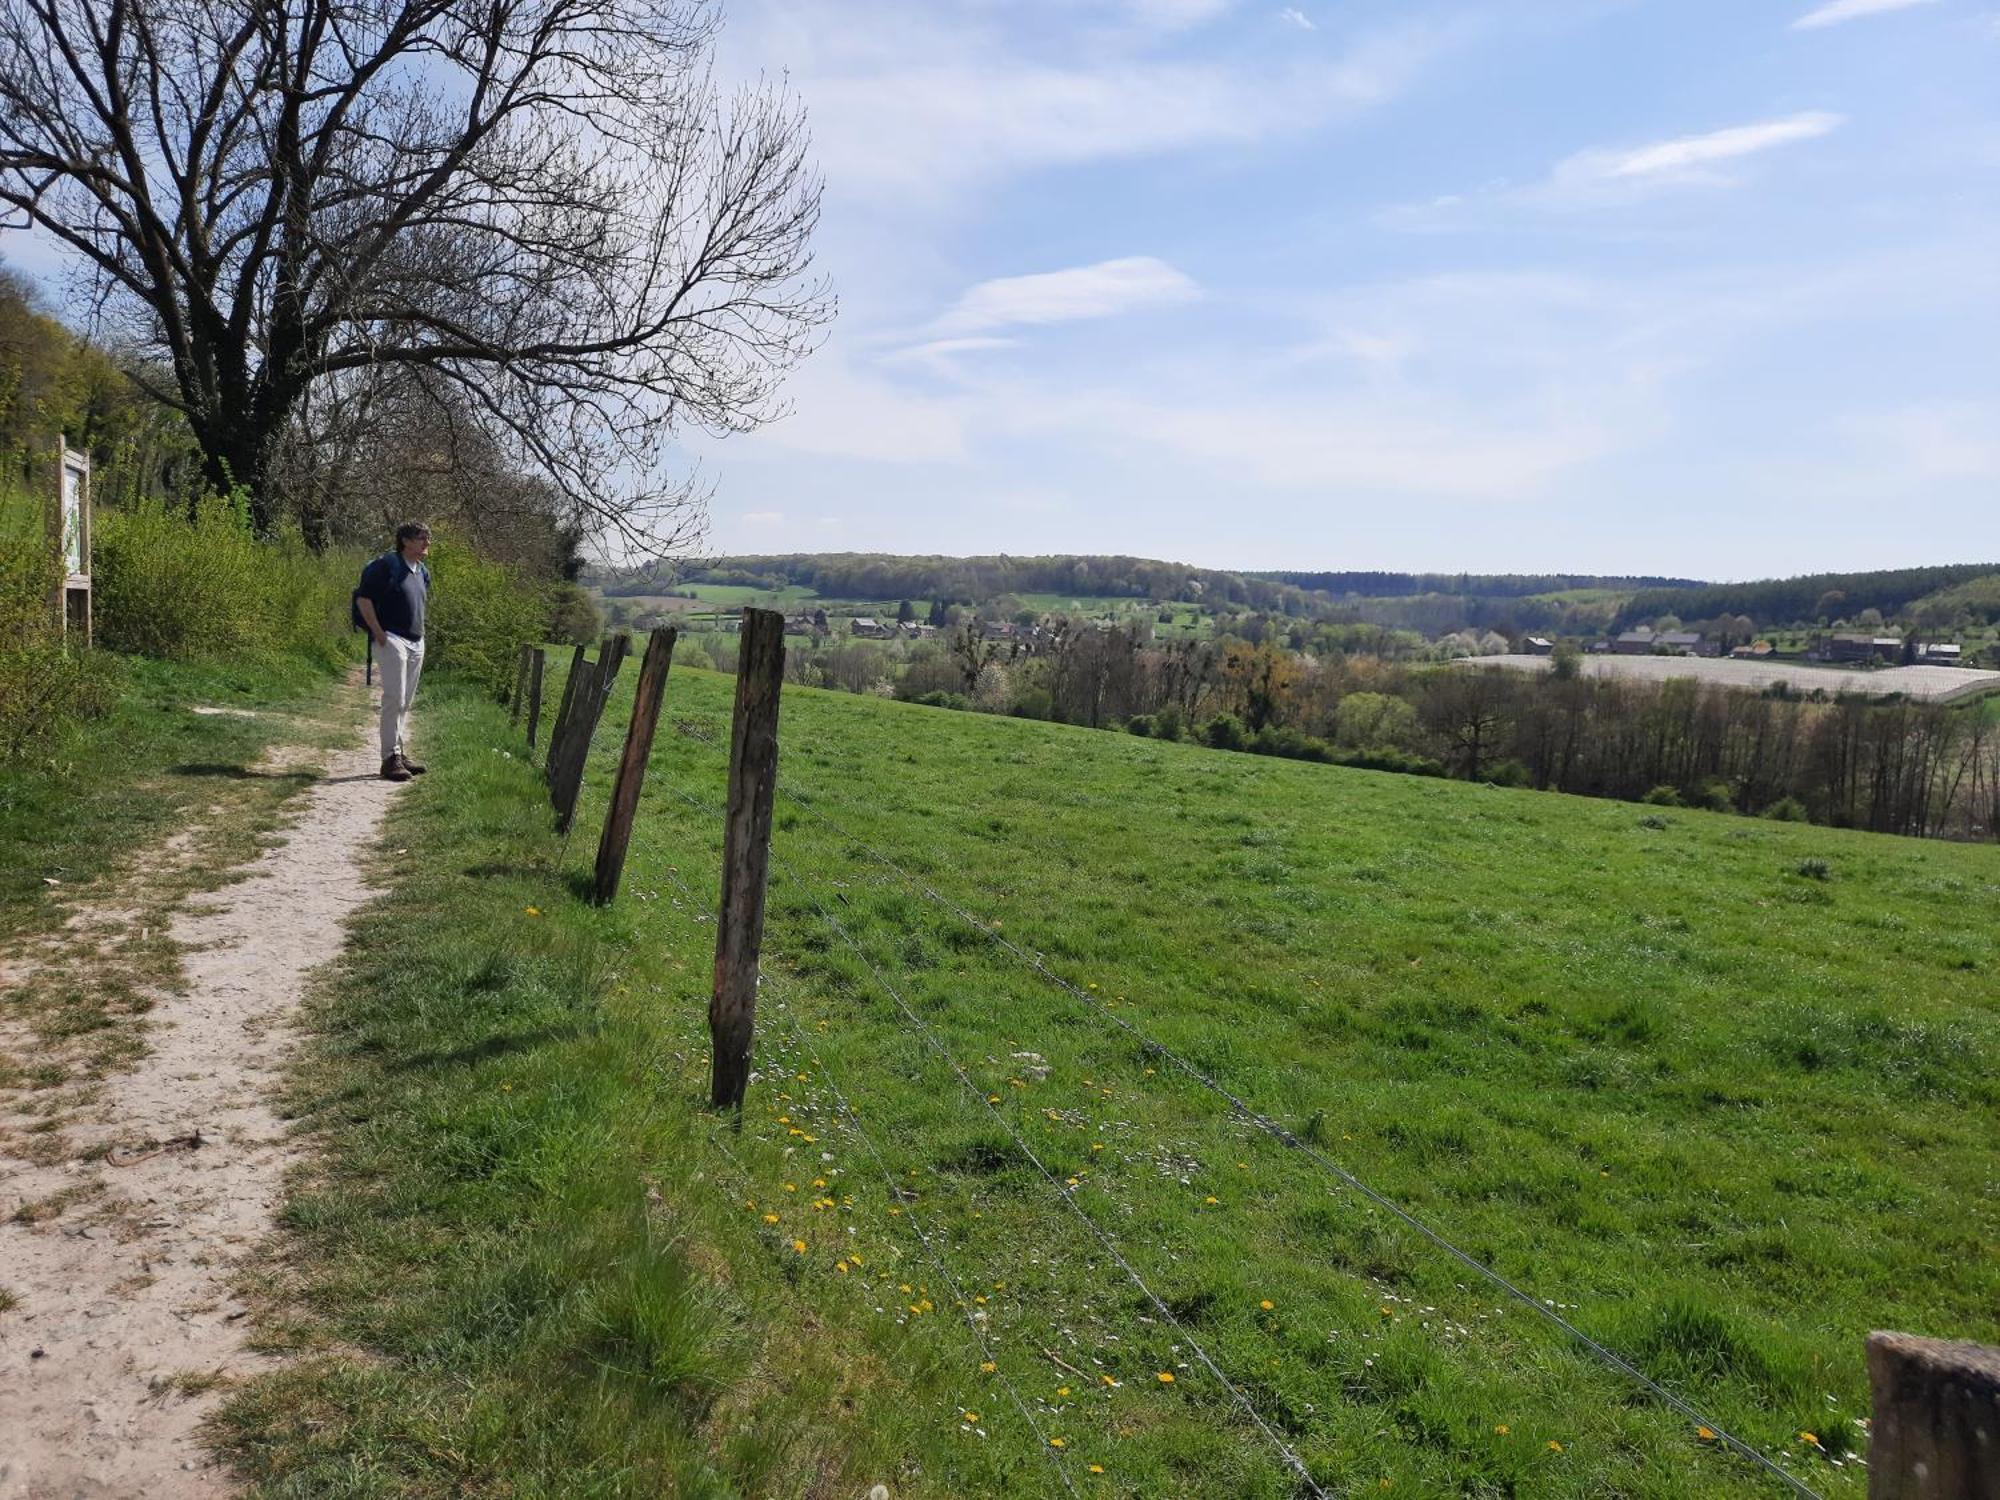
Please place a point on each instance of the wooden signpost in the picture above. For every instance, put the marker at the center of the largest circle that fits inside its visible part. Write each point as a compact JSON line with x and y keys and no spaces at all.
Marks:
{"x":73,"y":601}
{"x":746,"y":849}
{"x":646,"y":700}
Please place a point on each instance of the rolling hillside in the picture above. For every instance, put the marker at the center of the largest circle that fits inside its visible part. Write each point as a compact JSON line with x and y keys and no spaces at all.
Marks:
{"x":1718,"y":1091}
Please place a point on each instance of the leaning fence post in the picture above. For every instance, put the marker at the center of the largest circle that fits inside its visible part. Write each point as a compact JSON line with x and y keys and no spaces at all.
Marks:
{"x":562,"y":716}
{"x":1935,"y":1429}
{"x":520,"y":686}
{"x":535,"y":698}
{"x":589,"y":708}
{"x":625,"y":790}
{"x":562,"y":745}
{"x":746,"y":848}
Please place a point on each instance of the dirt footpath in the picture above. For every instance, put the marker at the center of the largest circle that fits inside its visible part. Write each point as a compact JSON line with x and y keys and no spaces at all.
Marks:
{"x":121,"y":1256}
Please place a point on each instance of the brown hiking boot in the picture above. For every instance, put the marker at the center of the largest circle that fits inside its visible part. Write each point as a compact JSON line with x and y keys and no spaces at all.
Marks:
{"x":393,"y":769}
{"x":411,"y":766}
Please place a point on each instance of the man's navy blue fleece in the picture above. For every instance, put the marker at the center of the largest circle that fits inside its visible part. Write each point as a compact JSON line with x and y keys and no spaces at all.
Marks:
{"x":399,"y":593}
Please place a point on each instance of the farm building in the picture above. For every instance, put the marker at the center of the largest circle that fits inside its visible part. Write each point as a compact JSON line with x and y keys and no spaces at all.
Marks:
{"x":1636,"y":642}
{"x":1538,"y":645}
{"x":1852,"y":647}
{"x":1941,"y":654}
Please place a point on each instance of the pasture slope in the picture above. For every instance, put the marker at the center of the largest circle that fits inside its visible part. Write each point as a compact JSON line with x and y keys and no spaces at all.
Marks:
{"x":1720,"y":1091}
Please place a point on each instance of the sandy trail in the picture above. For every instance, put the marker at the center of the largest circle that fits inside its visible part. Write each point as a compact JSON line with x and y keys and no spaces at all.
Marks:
{"x":126,"y":1318}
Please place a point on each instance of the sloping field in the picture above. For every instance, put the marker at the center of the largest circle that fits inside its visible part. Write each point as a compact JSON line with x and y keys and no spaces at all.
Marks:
{"x":1937,"y":684}
{"x":1719,"y":1091}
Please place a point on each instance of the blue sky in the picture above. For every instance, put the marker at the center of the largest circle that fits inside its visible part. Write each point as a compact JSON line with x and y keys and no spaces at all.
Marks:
{"x":1604,"y":285}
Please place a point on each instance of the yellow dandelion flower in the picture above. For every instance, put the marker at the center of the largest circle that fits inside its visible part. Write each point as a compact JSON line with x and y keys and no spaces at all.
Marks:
{"x":988,"y":1367}
{"x":856,"y":1259}
{"x":1706,"y":1434}
{"x":1097,"y":1468}
{"x":1211,"y":1198}
{"x":799,"y":1246}
{"x":1807,"y":1437}
{"x":770,"y":1218}
{"x":1502,"y":1428}
{"x":972,"y":1416}
{"x":534,"y":911}
{"x":1166,"y":1377}
{"x":819,"y":1182}
{"x":992,"y":1098}
{"x":841,"y":1266}
{"x":980,"y":1299}
{"x":1097,"y":1145}
{"x":791,"y":1187}
{"x":1057,"y":1443}
{"x":1554,"y":1446}
{"x":906,"y":1289}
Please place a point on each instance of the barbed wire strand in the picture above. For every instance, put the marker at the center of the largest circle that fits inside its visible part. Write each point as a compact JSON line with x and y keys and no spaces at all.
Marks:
{"x":1110,"y":1245}
{"x":853,"y":1120}
{"x":1287,"y":1137}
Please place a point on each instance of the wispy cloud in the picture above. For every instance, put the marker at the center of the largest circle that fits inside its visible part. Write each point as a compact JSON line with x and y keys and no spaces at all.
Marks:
{"x":1686,"y":154}
{"x":1099,"y":291}
{"x":1836,"y":11}
{"x":1293,"y":16}
{"x":932,"y":121}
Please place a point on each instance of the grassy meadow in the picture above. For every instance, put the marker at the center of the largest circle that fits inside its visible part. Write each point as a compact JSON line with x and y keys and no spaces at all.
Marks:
{"x":1720,"y":1090}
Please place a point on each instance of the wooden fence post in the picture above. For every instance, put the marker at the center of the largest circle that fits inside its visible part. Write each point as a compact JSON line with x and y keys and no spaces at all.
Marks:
{"x":563,"y":742}
{"x":646,"y":699}
{"x":520,"y":686}
{"x":1935,"y":1429}
{"x":535,"y":698}
{"x":562,"y":714}
{"x":589,"y":708}
{"x":746,"y":850}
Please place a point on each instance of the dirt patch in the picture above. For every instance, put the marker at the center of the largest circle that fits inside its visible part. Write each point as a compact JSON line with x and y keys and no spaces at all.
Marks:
{"x":118,"y":1253}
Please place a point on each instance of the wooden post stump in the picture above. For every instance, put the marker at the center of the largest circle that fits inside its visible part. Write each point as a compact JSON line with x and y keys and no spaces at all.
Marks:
{"x":535,"y":698}
{"x":746,"y":849}
{"x":646,"y":700}
{"x":1935,"y":1433}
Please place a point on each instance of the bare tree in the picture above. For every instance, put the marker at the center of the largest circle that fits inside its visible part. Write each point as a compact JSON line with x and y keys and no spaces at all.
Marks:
{"x":539,"y":208}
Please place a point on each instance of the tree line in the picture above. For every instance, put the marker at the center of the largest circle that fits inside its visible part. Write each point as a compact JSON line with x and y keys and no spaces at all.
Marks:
{"x":1922,"y":769}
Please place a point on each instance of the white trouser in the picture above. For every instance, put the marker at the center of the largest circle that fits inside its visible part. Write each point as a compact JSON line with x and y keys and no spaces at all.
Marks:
{"x":400,"y":663}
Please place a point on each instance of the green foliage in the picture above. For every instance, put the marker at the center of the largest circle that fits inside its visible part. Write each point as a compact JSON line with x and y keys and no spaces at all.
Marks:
{"x":1225,"y":732}
{"x":573,"y":616}
{"x":43,"y":684}
{"x":1663,"y":796}
{"x":199,"y":586}
{"x":1787,"y":810}
{"x":1813,"y":869}
{"x":481,"y":613}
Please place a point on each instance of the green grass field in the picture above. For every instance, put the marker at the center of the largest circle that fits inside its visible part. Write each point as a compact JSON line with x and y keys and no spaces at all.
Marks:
{"x":1721,"y":1091}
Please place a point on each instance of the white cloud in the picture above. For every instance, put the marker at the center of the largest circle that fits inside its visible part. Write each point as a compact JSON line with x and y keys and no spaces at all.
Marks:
{"x":1296,"y":17}
{"x":1685,"y":154}
{"x":1836,"y":11}
{"x":931,"y":121}
{"x":1098,"y":291}
{"x":937,"y":354}
{"x":763,"y":517}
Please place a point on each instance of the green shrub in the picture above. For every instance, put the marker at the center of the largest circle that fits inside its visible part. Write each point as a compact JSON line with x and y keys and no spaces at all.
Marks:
{"x":1141,"y":725}
{"x":1814,"y":869}
{"x":481,"y":613}
{"x":1716,"y":795}
{"x":1033,"y":703}
{"x":1662,"y":796}
{"x":1224,"y":732}
{"x":191,"y":586}
{"x":1786,"y":810}
{"x":43,"y":684}
{"x":1290,"y":744}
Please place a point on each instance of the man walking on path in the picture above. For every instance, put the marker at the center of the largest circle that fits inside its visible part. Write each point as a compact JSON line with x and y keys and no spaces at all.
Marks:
{"x":391,"y":599}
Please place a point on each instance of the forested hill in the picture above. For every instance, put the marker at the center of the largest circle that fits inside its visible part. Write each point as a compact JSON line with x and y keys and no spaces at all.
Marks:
{"x":1378,"y":585}
{"x":857,"y":575}
{"x":1815,"y":596}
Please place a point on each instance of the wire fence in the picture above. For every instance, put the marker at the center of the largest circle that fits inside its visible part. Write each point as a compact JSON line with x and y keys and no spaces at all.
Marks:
{"x":809,"y":802}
